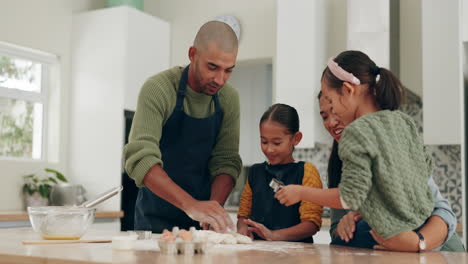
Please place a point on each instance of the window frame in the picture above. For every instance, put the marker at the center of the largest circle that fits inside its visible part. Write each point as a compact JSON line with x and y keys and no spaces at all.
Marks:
{"x":47,"y":61}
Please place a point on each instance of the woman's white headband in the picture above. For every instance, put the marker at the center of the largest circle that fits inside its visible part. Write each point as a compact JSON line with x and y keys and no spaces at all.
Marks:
{"x":340,"y":73}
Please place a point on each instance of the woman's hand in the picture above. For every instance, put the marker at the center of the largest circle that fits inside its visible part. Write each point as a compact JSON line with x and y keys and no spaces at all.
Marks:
{"x":290,"y":194}
{"x":259,"y":229}
{"x":405,"y":241}
{"x":347,"y":226}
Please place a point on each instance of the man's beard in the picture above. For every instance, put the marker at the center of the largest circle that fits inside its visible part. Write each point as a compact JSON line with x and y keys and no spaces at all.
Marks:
{"x":204,"y":89}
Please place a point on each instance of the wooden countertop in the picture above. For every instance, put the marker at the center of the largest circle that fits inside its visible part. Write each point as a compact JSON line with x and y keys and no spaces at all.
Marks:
{"x":23,"y":216}
{"x":13,"y":251}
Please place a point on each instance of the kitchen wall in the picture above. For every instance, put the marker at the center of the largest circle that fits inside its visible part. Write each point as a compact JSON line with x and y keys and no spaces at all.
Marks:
{"x":257,"y":19}
{"x":410,"y":45}
{"x":447,"y":160}
{"x":43,"y":25}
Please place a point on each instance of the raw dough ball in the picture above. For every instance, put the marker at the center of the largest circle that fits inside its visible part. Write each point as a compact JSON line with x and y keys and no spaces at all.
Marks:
{"x":219,"y":238}
{"x":241,"y":239}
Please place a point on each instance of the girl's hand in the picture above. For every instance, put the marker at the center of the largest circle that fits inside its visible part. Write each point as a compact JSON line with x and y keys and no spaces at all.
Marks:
{"x":290,"y":194}
{"x":347,"y":226}
{"x":405,"y":241}
{"x":243,"y":228}
{"x":259,"y":229}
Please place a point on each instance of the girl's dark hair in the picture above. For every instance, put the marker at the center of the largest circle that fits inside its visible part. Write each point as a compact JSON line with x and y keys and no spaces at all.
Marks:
{"x":388,"y":90}
{"x":285,"y":115}
{"x":334,"y":167}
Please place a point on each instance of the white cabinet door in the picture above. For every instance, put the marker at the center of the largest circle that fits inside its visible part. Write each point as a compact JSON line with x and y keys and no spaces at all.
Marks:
{"x":442,"y":78}
{"x":369,"y":29}
{"x":300,"y":60}
{"x":113,"y":51}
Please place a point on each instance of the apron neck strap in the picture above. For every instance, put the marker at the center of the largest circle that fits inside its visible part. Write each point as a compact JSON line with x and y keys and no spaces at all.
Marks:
{"x":182,"y":90}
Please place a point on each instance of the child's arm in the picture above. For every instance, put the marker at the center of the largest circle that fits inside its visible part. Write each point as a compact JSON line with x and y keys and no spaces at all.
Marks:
{"x":309,"y":192}
{"x":243,"y":228}
{"x":300,"y":231}
{"x":245,"y":207}
{"x":292,"y":194}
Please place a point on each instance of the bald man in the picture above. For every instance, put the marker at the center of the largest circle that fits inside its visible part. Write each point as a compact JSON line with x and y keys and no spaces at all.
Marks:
{"x":183,"y":150}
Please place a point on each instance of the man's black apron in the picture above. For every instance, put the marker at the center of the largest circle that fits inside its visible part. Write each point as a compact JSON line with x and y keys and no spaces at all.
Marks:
{"x":266,"y":209}
{"x":186,"y":145}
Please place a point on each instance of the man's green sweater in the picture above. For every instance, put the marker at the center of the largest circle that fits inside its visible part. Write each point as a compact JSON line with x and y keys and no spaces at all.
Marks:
{"x":385,"y":172}
{"x":156,"y":103}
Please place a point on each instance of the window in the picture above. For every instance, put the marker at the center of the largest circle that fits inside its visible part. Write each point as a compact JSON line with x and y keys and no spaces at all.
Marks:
{"x":24,"y":80}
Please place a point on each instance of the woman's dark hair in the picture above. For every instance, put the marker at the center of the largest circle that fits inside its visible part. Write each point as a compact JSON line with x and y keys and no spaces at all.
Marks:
{"x":334,"y":167}
{"x":334,"y":162}
{"x":387,"y":89}
{"x":285,"y":115}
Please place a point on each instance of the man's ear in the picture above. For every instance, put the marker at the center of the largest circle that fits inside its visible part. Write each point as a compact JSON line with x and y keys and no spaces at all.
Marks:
{"x":191,"y":53}
{"x":297,"y":138}
{"x":348,"y":88}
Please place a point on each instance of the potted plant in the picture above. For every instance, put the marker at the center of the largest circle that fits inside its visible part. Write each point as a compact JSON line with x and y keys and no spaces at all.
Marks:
{"x":36,"y":187}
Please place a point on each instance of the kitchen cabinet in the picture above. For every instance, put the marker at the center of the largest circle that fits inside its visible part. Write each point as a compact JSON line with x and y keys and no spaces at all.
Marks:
{"x":114,"y":51}
{"x":300,"y":59}
{"x":368,"y":29}
{"x":442,"y":77}
{"x":464,"y":16}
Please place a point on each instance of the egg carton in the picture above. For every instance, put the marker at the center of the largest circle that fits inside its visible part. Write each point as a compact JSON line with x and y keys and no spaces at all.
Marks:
{"x":184,"y":247}
{"x":182,"y":244}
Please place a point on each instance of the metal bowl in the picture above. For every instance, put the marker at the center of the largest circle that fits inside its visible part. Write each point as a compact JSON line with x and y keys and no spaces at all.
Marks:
{"x":61,"y":222}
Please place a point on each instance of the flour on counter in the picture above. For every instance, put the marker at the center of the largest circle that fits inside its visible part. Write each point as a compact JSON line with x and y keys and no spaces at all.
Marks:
{"x":220,"y":238}
{"x":275,"y":246}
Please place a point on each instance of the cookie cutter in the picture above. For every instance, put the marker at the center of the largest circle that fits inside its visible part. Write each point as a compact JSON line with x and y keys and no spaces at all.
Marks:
{"x":276,"y":184}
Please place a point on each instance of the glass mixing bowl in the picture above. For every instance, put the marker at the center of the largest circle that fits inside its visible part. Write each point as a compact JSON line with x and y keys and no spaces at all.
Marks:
{"x":61,"y":222}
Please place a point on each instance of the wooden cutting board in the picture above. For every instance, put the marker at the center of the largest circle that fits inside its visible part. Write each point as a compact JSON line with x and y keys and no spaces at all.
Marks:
{"x":46,"y":242}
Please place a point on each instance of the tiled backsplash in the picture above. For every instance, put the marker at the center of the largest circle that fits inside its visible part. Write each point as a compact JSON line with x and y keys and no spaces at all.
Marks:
{"x":447,"y":161}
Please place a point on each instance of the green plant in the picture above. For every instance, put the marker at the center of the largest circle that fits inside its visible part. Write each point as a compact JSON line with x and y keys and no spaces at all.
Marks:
{"x":42,"y":184}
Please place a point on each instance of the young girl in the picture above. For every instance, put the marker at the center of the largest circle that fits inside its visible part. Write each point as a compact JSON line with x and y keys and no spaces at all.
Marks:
{"x":385,"y":167}
{"x":260,"y":215}
{"x":348,"y":229}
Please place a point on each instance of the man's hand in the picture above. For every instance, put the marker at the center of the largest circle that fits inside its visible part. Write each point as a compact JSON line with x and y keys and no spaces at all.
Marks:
{"x":405,"y":241}
{"x":290,"y":194}
{"x":259,"y":229}
{"x":211,"y":213}
{"x":347,"y":226}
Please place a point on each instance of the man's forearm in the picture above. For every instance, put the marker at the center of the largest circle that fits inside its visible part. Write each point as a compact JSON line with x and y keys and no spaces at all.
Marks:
{"x":221,"y":187}
{"x":160,"y":184}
